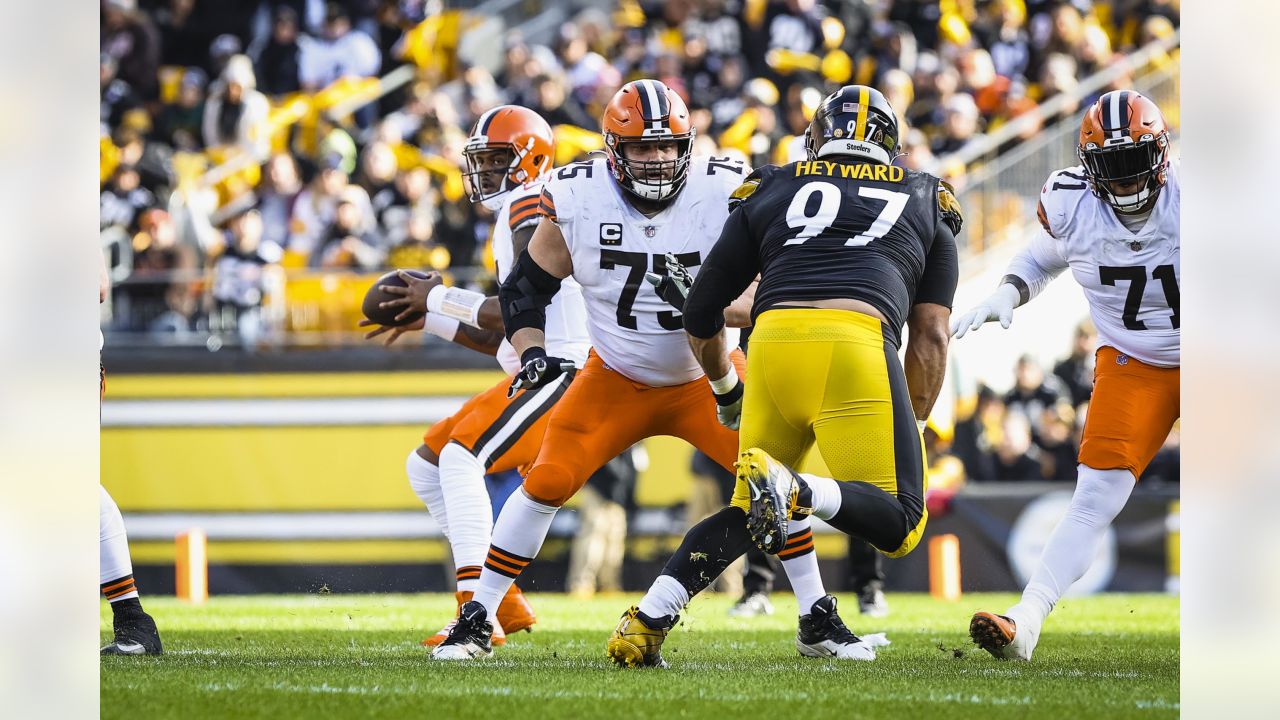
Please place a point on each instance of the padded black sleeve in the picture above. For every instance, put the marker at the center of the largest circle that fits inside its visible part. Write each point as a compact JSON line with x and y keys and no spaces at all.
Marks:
{"x":525,"y":294}
{"x":941,"y":270}
{"x":730,"y":267}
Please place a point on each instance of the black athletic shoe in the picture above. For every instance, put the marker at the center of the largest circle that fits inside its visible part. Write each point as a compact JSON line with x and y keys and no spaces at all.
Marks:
{"x":872,"y":603}
{"x":823,"y":634}
{"x":135,"y":633}
{"x":470,"y":637}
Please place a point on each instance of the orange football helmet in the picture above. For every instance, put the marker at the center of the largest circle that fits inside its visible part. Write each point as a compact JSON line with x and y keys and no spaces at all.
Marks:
{"x":1124,"y":142}
{"x":518,"y":130}
{"x":648,"y":111}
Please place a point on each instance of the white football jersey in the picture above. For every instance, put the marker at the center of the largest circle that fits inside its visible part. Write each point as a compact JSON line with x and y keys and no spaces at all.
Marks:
{"x":566,"y":330}
{"x":635,"y":332}
{"x":1131,"y":280}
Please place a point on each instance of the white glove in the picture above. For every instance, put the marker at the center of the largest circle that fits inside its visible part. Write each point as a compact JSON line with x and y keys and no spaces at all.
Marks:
{"x":999,"y":306}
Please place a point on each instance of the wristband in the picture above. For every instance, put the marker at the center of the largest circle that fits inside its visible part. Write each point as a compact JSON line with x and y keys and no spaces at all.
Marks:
{"x":726,"y":383}
{"x":440,"y":326}
{"x":460,"y":304}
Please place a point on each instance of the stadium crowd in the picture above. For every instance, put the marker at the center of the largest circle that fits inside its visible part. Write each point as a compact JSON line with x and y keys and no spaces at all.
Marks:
{"x":245,"y":142}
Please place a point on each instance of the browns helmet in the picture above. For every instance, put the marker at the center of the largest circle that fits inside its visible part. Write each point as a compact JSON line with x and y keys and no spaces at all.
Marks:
{"x":855,"y":120}
{"x":524,"y":135}
{"x":648,"y":111}
{"x":1124,"y":140}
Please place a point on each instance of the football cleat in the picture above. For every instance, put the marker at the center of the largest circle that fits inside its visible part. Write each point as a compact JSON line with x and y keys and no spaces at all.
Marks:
{"x":637,"y":640}
{"x":775,"y":492}
{"x":135,"y":634}
{"x":1002,"y":636}
{"x":823,"y":634}
{"x":872,"y":603}
{"x":515,"y":613}
{"x":752,"y":605}
{"x":470,"y":636}
{"x":499,"y":636}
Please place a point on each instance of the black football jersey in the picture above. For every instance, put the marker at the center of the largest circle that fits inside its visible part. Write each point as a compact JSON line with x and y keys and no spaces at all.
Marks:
{"x":821,"y":229}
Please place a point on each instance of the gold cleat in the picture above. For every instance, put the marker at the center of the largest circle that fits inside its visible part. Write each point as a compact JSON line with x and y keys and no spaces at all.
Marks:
{"x":775,"y":492}
{"x":637,"y":640}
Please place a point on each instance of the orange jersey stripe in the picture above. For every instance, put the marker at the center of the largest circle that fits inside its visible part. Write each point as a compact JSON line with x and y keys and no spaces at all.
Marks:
{"x":523,"y":216}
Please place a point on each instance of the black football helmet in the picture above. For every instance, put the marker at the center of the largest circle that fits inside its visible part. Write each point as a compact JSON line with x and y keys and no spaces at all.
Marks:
{"x":857,"y":121}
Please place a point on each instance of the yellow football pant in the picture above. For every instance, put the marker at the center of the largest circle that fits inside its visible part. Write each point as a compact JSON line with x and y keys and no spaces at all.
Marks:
{"x":830,"y":376}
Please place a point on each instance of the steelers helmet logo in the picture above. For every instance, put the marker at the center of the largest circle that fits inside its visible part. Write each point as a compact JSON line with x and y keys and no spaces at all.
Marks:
{"x":839,"y":132}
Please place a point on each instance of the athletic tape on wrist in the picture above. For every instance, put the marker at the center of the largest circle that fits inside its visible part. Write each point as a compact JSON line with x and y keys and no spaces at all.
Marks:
{"x":441,"y":326}
{"x":460,"y":304}
{"x":726,"y":383}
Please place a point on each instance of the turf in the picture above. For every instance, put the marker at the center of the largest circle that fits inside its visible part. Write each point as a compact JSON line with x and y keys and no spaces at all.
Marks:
{"x":350,"y":656}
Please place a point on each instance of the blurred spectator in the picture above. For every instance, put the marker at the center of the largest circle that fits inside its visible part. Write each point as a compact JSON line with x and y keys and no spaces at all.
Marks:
{"x":1058,"y":443}
{"x":1016,"y":458}
{"x":1058,"y":76}
{"x":236,"y":113}
{"x":278,"y":63}
{"x":959,"y":126}
{"x":221,"y":50}
{"x":977,"y":433}
{"x":153,"y":161}
{"x":556,"y":107}
{"x":1076,"y":370}
{"x":347,"y":243}
{"x":180,"y":123}
{"x":123,"y":199}
{"x":1003,"y":33}
{"x":242,"y":275}
{"x":416,"y":246}
{"x":338,"y":52}
{"x":131,"y":39}
{"x":117,"y":95}
{"x":917,"y":155}
{"x":582,"y":67}
{"x":1033,"y":392}
{"x":276,"y":196}
{"x":316,"y":206}
{"x":157,"y":294}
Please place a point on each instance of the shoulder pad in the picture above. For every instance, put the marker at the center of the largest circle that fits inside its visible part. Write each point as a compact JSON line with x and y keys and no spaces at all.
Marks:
{"x":747,"y":188}
{"x":1061,"y":192}
{"x":949,"y":207}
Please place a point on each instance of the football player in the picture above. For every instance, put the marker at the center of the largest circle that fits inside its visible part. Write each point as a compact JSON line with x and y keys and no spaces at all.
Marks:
{"x":134,"y":631}
{"x":1113,"y":221}
{"x":509,"y":156}
{"x":606,"y":222}
{"x":848,"y":247}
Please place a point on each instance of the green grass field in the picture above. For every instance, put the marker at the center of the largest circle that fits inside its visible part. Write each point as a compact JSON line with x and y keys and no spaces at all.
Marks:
{"x":345,"y":656}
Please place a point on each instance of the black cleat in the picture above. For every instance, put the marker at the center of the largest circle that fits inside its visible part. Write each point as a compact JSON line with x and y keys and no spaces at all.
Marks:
{"x":775,"y":491}
{"x":823,"y":634}
{"x":135,"y":633}
{"x":471,"y":636}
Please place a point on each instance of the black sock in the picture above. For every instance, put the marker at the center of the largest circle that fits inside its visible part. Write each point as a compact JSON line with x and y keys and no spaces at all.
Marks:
{"x":708,"y":548}
{"x":127,"y":607}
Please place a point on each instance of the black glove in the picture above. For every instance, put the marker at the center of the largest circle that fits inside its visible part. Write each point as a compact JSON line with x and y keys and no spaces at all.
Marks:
{"x":539,"y":369}
{"x":672,"y":286}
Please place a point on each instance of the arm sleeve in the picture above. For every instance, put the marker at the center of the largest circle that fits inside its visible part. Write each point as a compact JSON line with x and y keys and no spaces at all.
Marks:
{"x":941,"y":270}
{"x":733,"y":263}
{"x":1036,"y":266}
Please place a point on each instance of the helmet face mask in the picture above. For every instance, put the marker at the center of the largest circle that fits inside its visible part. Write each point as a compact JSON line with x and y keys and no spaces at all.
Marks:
{"x":1124,"y":148}
{"x":489,"y":173}
{"x":641,"y":125}
{"x":509,"y":147}
{"x":855,"y":121}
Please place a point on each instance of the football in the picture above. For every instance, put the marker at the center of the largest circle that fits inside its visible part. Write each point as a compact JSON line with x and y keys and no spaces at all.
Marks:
{"x":376,"y":295}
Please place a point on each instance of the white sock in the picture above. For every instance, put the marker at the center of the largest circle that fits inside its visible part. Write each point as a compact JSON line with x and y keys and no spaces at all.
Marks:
{"x":115,"y":569}
{"x":518,"y":534}
{"x":424,"y":478}
{"x":1100,"y":495}
{"x":801,"y":564}
{"x":466,"y":501}
{"x":826,"y":495}
{"x":666,"y":596}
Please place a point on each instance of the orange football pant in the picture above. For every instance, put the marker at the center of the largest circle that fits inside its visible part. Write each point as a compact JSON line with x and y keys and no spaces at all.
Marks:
{"x":603,"y":413}
{"x":1133,"y":408}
